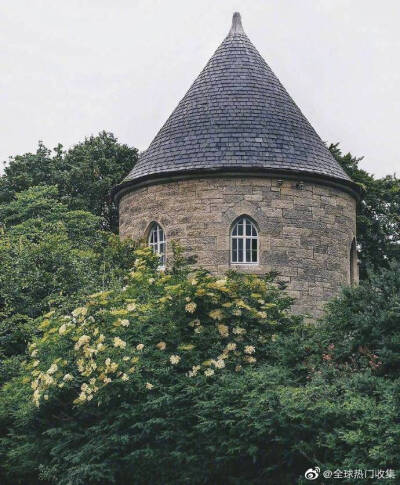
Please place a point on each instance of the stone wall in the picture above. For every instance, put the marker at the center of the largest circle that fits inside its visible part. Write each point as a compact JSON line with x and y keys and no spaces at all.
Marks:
{"x":304,"y":234}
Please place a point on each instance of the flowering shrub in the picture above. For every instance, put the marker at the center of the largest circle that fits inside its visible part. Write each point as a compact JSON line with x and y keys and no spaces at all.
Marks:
{"x":191,"y":324}
{"x":182,"y":377}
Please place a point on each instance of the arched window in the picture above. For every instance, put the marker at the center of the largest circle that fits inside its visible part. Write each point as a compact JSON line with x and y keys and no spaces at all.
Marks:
{"x":244,"y":241}
{"x":157,"y":241}
{"x":353,"y":262}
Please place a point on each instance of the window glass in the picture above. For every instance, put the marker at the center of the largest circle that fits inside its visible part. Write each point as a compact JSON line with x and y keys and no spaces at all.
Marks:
{"x":157,"y":242}
{"x":244,"y":241}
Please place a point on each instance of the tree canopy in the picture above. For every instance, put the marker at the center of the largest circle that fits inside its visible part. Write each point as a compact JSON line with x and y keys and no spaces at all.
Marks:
{"x":210,"y":378}
{"x":84,"y":174}
{"x":113,"y":372}
{"x":378,"y":214}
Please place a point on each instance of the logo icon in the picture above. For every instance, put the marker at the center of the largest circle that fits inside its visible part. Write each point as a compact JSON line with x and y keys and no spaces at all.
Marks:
{"x":312,"y":473}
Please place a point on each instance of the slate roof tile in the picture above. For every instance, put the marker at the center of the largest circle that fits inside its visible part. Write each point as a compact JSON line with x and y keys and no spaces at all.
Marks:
{"x":236,"y":114}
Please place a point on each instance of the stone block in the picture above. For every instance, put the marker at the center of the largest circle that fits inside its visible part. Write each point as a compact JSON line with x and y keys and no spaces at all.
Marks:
{"x":304,"y":234}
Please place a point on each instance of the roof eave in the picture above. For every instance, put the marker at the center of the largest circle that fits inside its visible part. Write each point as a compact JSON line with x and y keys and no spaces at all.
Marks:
{"x":126,"y":186}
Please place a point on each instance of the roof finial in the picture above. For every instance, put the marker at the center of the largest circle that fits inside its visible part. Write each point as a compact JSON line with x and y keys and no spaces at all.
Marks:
{"x":236,"y":24}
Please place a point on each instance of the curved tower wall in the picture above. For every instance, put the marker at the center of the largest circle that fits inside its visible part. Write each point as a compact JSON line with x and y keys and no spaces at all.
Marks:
{"x":305,"y":230}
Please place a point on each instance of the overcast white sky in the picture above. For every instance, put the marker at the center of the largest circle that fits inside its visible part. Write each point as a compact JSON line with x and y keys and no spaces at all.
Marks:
{"x":72,"y":68}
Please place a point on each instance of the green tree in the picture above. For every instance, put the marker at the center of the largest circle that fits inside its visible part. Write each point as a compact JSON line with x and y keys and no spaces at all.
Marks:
{"x":210,"y":378}
{"x":84,"y":174}
{"x":378,"y":217}
{"x":49,"y":253}
{"x":50,"y":256}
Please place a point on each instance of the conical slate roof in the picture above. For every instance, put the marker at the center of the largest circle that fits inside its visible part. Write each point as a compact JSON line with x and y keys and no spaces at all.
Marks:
{"x":236,"y":116}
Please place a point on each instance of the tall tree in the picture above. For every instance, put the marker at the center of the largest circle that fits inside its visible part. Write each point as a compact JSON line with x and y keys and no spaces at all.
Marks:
{"x":378,"y":214}
{"x":84,"y":174}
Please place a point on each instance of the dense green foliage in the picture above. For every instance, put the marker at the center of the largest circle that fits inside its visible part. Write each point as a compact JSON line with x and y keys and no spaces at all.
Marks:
{"x":113,"y":372}
{"x":49,"y":253}
{"x":54,"y":248}
{"x":210,"y":379}
{"x":84,"y":174}
{"x":378,"y":214}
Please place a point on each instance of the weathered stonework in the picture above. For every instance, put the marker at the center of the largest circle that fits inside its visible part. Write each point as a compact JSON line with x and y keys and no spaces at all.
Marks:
{"x":304,"y":234}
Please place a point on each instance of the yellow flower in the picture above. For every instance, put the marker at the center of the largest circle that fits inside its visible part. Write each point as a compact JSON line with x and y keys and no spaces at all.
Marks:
{"x":242,"y":304}
{"x":209,"y":372}
{"x":216,"y":314}
{"x":239,"y":331}
{"x":186,"y":347}
{"x":80,"y":364}
{"x":238,"y":368}
{"x":35,"y":363}
{"x":88,"y":352}
{"x":36,"y":397}
{"x":219,"y":364}
{"x":52,"y":369}
{"x":131,"y":307}
{"x":249,"y":349}
{"x":190,"y":307}
{"x":149,"y":386}
{"x":84,"y":339}
{"x":125,"y":322}
{"x":250,"y":360}
{"x":220,"y":283}
{"x":34,"y":353}
{"x":161,"y":345}
{"x":140,"y":347}
{"x":223,"y":330}
{"x":62,"y":329}
{"x":67,"y":377}
{"x":125,"y":377}
{"x":80,"y":311}
{"x":194,"y":371}
{"x":48,"y":379}
{"x":118,"y":342}
{"x":231,"y":346}
{"x":262,"y":315}
{"x":174,"y":359}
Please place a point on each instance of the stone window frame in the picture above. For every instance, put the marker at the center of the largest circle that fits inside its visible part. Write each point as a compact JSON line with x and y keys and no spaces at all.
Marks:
{"x":156,"y":246}
{"x":244,"y":237}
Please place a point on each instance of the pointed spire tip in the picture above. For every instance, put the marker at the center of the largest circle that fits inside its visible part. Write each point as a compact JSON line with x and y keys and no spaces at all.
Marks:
{"x":236,"y":24}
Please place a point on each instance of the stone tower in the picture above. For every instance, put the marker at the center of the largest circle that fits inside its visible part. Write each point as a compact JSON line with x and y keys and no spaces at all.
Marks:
{"x":238,"y":176}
